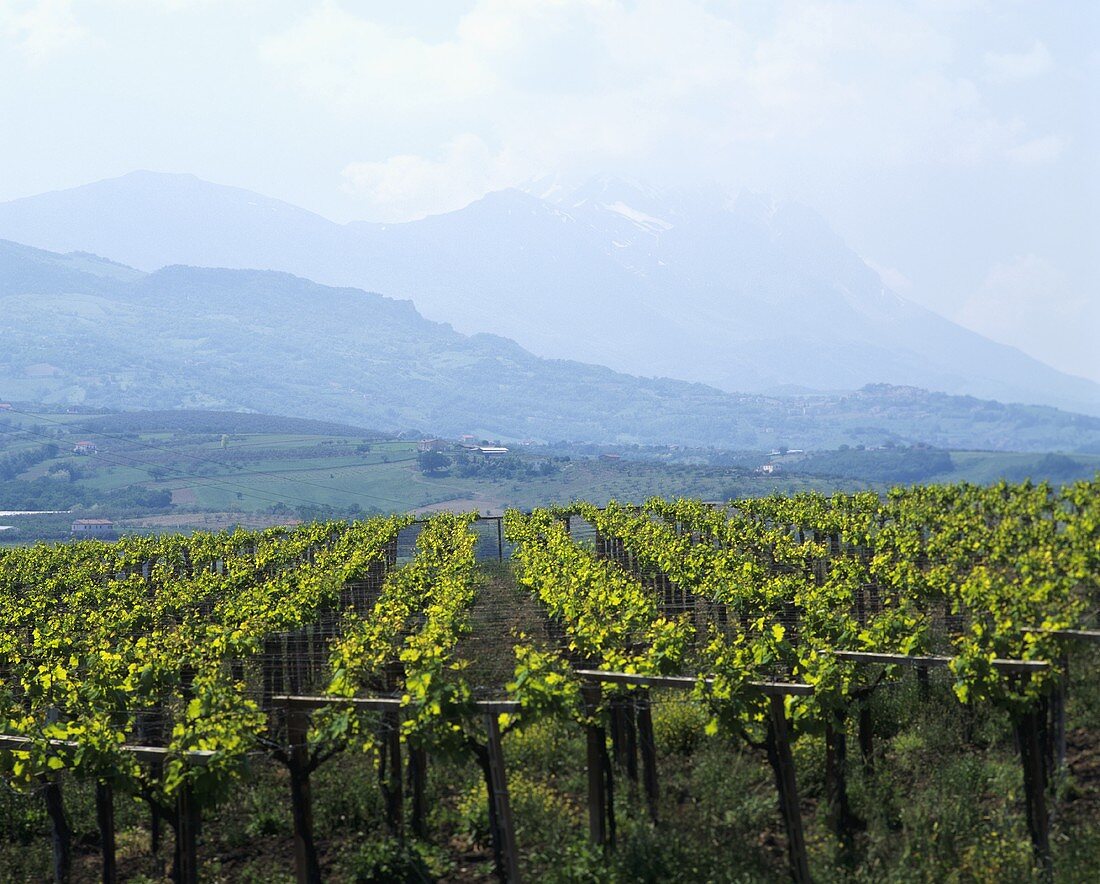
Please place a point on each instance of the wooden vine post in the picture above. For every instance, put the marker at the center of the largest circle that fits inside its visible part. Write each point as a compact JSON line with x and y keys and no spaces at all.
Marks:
{"x":782,"y":761}
{"x":1031,"y":758}
{"x":187,"y":834}
{"x":842,"y":820}
{"x":630,"y":737}
{"x":596,"y":751}
{"x":61,"y":832}
{"x":504,"y":828}
{"x":389,"y":754}
{"x":1058,"y":697}
{"x":1029,"y":725}
{"x":1058,"y":715}
{"x":777,"y":744}
{"x":105,"y":819}
{"x":389,"y":770}
{"x":647,"y":746}
{"x":490,"y":756}
{"x":923,"y":683}
{"x":155,"y":819}
{"x":186,"y":817}
{"x":866,"y":731}
{"x":306,"y":864}
{"x":624,"y":735}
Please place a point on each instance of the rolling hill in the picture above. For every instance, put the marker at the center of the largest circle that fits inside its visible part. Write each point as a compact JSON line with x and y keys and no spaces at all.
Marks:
{"x":83,"y":331}
{"x":742,"y":293}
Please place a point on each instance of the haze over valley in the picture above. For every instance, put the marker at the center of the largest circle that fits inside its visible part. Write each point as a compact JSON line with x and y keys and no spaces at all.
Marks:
{"x":80,"y":330}
{"x":743,"y":293}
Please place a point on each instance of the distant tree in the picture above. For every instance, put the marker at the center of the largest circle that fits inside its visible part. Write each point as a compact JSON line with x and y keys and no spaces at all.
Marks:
{"x":432,"y":462}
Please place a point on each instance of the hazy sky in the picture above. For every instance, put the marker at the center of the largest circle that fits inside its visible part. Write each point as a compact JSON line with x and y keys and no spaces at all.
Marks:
{"x":954,"y":144}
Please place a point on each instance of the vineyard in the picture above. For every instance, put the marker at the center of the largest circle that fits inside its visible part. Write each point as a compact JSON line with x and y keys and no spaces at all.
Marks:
{"x":850,"y":687}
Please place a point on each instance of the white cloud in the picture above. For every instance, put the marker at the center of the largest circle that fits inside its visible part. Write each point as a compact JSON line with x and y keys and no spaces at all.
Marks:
{"x":353,"y":65}
{"x":572,"y":85}
{"x":1010,"y":67}
{"x":39,"y":28}
{"x":1029,"y":303}
{"x":1046,"y":149}
{"x":1014,"y":289}
{"x":409,"y":186}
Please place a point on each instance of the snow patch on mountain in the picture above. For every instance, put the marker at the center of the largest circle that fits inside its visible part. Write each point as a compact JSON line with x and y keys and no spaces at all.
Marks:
{"x":745,"y":293}
{"x":641,"y":219}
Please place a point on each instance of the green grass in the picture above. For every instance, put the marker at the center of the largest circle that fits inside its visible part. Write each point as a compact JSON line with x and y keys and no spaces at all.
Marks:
{"x":937,"y":808}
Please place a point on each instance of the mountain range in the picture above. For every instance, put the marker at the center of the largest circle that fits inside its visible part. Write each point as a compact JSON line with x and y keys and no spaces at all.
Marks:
{"x":743,"y":293}
{"x":78,"y":329}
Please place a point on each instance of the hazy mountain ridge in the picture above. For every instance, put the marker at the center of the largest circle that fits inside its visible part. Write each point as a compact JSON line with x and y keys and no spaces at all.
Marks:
{"x":743,"y":293}
{"x":24,"y":269}
{"x":186,"y":337}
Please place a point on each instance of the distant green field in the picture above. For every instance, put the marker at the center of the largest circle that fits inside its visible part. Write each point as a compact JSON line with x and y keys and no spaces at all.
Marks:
{"x":984,"y":467}
{"x":158,"y":470}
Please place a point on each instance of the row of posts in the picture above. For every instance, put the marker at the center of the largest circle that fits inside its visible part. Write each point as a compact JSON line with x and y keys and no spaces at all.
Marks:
{"x":629,"y":718}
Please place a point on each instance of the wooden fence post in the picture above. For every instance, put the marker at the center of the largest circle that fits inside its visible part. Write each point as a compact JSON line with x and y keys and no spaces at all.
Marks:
{"x":1031,"y":758}
{"x":597,"y":796}
{"x":866,"y":736}
{"x":187,"y":826}
{"x":841,"y":819}
{"x":624,"y":735}
{"x":306,"y":865}
{"x":648,"y":746}
{"x":782,"y":762}
{"x":616,"y":726}
{"x":924,"y":688}
{"x":630,"y":736}
{"x":609,"y":789}
{"x":504,"y":830}
{"x":389,"y":770}
{"x":105,"y":818}
{"x":1058,"y":713}
{"x":61,"y":831}
{"x":1046,"y":744}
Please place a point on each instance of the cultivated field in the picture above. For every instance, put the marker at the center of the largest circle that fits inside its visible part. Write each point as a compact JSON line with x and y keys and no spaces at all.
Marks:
{"x":844,"y":687}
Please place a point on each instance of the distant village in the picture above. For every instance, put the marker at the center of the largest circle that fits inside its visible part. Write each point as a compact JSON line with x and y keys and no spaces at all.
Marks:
{"x":465,"y":443}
